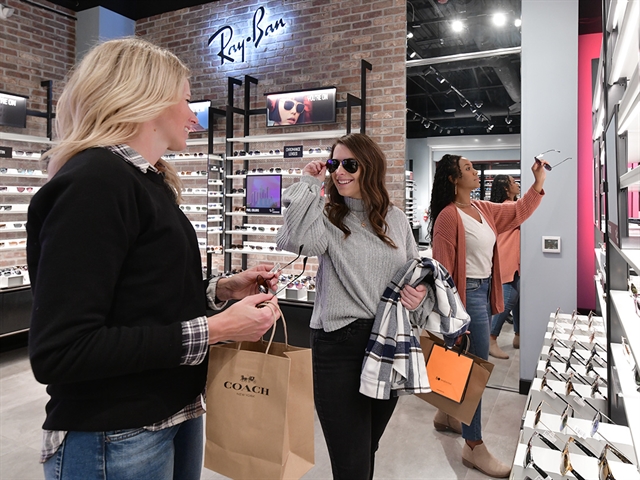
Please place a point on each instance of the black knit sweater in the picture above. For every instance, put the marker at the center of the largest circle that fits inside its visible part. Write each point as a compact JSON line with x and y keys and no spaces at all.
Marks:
{"x":115,"y":268}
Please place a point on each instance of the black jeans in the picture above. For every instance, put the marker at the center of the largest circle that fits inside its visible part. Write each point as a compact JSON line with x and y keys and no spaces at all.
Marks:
{"x":352,"y":423}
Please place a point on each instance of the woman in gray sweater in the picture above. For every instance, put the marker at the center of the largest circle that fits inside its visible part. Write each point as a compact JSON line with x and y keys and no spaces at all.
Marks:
{"x":361,"y":241}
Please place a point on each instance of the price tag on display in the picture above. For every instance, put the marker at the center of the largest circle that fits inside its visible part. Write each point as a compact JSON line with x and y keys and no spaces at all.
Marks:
{"x":579,"y":432}
{"x":550,"y":435}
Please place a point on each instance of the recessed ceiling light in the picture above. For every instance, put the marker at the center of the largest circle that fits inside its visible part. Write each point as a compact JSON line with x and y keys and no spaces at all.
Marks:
{"x":499,"y":19}
{"x":457,"y":26}
{"x":409,"y":34}
{"x":518,"y":22}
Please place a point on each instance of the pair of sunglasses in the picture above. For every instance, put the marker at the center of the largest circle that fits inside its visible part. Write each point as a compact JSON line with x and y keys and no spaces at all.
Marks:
{"x":565,"y":463}
{"x":349,"y":164}
{"x":604,"y":470}
{"x":564,"y":423}
{"x":538,"y":159}
{"x":289,"y":104}
{"x":263,"y":286}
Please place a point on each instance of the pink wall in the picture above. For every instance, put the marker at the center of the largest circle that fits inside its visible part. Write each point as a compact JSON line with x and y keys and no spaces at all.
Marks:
{"x":588,"y":49}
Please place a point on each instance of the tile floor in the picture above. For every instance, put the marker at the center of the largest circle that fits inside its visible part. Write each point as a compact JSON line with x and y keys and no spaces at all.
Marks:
{"x":409,"y":449}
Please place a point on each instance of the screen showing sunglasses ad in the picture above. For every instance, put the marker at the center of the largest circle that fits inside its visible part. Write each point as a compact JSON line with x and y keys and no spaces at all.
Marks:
{"x":301,"y":107}
{"x":349,"y":164}
{"x":264,"y":194}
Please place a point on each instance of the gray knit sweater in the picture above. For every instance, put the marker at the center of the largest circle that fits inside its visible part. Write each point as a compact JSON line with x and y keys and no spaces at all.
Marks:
{"x":353,"y":272}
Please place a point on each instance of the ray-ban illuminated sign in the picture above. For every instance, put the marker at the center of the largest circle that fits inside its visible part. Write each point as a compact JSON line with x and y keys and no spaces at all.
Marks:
{"x":233,"y":48}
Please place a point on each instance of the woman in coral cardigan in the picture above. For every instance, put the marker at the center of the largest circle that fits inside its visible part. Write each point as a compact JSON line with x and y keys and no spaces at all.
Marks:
{"x":463,"y":236}
{"x":505,"y":189}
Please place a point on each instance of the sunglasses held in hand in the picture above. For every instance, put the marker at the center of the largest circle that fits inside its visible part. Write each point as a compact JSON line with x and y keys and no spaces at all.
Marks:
{"x":538,"y":159}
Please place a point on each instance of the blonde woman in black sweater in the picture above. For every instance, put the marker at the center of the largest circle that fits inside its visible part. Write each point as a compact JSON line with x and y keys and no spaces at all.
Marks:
{"x":119,"y":331}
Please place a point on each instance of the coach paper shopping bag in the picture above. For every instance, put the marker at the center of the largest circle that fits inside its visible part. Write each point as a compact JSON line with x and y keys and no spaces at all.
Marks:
{"x":259,"y":421}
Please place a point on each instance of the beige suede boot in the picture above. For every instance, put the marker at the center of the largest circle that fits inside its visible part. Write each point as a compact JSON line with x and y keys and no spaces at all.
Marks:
{"x":443,"y":422}
{"x":516,"y":341}
{"x":494,"y":349}
{"x":480,"y":459}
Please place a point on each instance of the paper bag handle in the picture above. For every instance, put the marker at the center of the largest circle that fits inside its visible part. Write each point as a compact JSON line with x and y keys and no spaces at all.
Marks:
{"x":462,"y":350}
{"x":271,"y":306}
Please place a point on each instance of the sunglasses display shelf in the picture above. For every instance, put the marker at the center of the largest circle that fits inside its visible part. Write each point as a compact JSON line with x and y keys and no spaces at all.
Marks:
{"x":564,"y":430}
{"x":21,"y":176}
{"x":616,"y":196}
{"x":202,"y":196}
{"x":253,"y":235}
{"x":409,"y":201}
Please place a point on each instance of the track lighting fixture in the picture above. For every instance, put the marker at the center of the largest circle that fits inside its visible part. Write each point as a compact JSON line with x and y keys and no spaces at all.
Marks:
{"x":508,"y":120}
{"x":478,"y":103}
{"x":5,"y":12}
{"x":489,"y":128}
{"x":409,"y":34}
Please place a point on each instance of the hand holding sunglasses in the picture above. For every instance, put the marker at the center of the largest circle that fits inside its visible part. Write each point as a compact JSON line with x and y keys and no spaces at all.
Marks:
{"x":540,"y":161}
{"x":315,"y":168}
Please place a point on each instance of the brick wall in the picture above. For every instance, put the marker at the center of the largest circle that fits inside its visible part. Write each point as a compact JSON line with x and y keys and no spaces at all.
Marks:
{"x":321,"y":44}
{"x":35,"y":45}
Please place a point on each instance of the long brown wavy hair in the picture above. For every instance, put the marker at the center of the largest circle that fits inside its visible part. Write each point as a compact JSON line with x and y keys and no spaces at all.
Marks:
{"x":372,"y":165}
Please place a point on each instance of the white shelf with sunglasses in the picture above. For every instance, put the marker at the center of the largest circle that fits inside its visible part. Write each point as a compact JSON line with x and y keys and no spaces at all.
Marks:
{"x":22,"y":173}
{"x":616,"y":155}
{"x":565,"y":407}
{"x":409,"y":200}
{"x":202,"y":177}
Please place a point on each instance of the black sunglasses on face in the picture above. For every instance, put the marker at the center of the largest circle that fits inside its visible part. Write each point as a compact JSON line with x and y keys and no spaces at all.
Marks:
{"x":289,"y":104}
{"x":349,"y":164}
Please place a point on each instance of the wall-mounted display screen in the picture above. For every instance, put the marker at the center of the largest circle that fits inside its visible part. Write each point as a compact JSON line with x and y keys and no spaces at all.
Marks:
{"x":201,"y":109}
{"x":305,"y":107}
{"x":13,"y":110}
{"x":264,"y":194}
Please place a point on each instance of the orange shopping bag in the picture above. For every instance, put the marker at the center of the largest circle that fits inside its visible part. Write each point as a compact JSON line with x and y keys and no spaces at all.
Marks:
{"x":459,"y":399}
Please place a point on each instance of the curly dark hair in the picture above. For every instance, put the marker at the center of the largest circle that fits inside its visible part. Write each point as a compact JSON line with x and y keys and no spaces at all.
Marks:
{"x":372,"y":164}
{"x":443,"y":191}
{"x":500,"y":189}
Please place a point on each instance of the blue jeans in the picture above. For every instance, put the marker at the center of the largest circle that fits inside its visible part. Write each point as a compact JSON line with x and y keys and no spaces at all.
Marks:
{"x":136,"y":454}
{"x":511,"y":292}
{"x":479,"y":310}
{"x":352,"y":423}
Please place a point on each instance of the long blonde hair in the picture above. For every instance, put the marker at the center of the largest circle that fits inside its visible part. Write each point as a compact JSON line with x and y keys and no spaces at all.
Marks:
{"x":117,"y":86}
